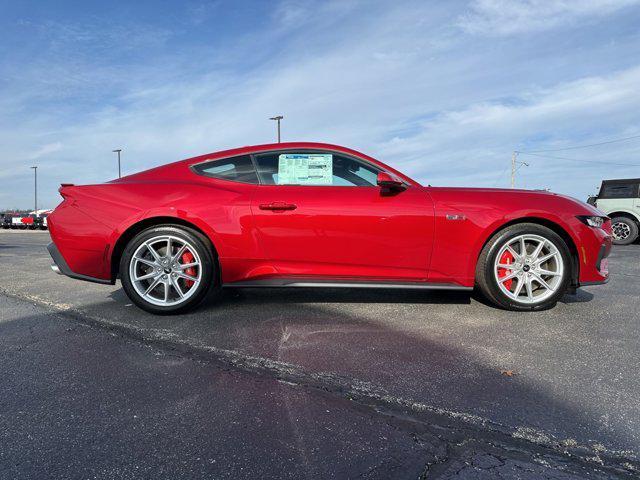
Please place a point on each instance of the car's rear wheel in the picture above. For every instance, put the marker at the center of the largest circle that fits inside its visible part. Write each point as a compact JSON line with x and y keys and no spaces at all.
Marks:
{"x":524,"y":267}
{"x":168,"y":269}
{"x":625,"y":230}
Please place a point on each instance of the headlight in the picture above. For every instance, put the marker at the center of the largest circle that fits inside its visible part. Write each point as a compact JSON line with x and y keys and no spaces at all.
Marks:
{"x":595,"y":222}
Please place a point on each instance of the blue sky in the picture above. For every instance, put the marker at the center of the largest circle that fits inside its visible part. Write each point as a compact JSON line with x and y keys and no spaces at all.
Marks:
{"x":444,"y":91}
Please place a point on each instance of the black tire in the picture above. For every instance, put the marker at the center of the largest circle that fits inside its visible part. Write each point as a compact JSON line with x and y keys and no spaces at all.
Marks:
{"x":630,"y":228}
{"x":485,"y":277}
{"x":208,"y":285}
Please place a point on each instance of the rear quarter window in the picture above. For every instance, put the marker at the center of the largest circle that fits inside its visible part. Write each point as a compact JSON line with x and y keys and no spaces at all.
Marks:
{"x":235,"y":169}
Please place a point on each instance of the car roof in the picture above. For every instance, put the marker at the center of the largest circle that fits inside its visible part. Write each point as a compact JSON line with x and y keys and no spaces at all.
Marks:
{"x":251,"y":149}
{"x":622,"y":180}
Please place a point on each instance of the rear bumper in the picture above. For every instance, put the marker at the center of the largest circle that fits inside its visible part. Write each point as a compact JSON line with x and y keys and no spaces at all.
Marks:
{"x":61,"y":267}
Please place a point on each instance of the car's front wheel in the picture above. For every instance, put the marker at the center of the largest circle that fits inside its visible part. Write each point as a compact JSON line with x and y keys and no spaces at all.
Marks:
{"x":168,"y":269}
{"x":625,"y":230}
{"x":524,"y":267}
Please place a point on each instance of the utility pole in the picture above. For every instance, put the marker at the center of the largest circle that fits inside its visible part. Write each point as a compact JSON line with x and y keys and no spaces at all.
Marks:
{"x":277,"y":118}
{"x":35,"y":189}
{"x":514,"y":167}
{"x":118,"y":150}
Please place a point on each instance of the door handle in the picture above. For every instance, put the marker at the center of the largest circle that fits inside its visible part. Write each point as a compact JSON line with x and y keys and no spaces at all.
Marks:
{"x":278,"y":206}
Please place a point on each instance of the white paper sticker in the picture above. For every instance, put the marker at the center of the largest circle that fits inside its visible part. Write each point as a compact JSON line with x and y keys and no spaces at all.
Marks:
{"x":305,"y":169}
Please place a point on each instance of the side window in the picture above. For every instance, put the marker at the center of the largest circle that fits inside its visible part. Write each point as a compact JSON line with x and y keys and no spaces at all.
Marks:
{"x":315,"y":169}
{"x":236,"y":169}
{"x":620,"y":190}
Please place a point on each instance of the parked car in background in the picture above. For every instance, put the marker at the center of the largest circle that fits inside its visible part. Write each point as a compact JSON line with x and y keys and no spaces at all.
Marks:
{"x":21,"y":222}
{"x":39,"y":219}
{"x":620,"y":200}
{"x":44,"y":225}
{"x":319,"y":215}
{"x":6,"y":220}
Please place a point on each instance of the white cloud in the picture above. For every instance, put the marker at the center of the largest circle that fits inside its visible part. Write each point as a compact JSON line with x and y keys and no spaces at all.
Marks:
{"x":470,"y":143}
{"x":295,"y":14}
{"x":507,"y":17}
{"x":44,"y":150}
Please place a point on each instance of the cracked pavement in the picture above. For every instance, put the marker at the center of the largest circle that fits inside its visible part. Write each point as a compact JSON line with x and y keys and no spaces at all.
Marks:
{"x":411,"y":380}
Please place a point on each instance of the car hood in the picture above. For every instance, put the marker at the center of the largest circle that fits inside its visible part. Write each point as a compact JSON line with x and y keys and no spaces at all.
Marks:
{"x":514,"y":199}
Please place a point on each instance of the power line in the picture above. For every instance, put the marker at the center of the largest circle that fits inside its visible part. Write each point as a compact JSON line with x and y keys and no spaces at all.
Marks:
{"x":583,"y":146}
{"x":579,"y":160}
{"x":495,"y":184}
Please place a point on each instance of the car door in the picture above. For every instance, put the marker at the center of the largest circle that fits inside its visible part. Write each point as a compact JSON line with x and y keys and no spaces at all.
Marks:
{"x":321,"y":213}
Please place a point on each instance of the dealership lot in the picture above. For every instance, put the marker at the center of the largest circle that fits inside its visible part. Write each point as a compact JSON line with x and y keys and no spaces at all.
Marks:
{"x":565,"y":378}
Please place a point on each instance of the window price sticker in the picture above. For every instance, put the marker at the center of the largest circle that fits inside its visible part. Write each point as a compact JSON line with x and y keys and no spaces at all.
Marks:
{"x":305,"y":169}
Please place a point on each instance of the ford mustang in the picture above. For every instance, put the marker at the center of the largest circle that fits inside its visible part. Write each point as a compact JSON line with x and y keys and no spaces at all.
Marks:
{"x":319,"y":215}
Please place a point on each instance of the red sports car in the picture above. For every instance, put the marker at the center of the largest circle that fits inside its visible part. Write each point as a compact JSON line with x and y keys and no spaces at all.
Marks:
{"x":318,"y":215}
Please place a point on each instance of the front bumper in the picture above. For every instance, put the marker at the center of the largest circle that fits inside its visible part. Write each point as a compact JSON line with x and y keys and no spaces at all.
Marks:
{"x":594,"y":248}
{"x":61,"y":267}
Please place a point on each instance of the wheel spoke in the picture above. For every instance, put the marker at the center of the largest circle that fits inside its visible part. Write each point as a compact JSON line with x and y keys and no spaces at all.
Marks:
{"x":146,"y":276}
{"x":183,"y":266}
{"x":146,"y":262}
{"x":509,"y":277}
{"x":518,"y":287}
{"x":508,"y":266}
{"x":523,"y":248}
{"x":513,"y":252}
{"x":168,"y":254}
{"x":536,"y":252}
{"x":546,"y":257}
{"x":154,"y":253}
{"x":187,"y":277}
{"x":180,"y":252}
{"x":176,"y":287}
{"x":529,"y":289}
{"x":542,"y":271}
{"x":153,"y":285}
{"x":539,"y":279}
{"x":166,"y":291}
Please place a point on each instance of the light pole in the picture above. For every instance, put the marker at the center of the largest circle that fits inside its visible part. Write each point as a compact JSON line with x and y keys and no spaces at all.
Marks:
{"x":35,"y":189}
{"x":277,"y":118}
{"x":118,"y":150}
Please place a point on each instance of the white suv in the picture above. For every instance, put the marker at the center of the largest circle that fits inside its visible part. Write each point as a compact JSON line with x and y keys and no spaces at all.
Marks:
{"x":620,"y":200}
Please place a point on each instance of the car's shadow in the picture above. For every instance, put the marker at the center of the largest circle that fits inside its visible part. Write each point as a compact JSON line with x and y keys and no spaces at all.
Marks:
{"x":581,"y":296}
{"x":253,"y":296}
{"x":344,"y":295}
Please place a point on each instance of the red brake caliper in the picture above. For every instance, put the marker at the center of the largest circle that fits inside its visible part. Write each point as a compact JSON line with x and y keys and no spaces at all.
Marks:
{"x":506,"y":259}
{"x":187,"y":257}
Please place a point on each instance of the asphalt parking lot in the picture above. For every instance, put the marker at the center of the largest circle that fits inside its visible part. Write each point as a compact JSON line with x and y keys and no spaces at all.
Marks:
{"x":566,"y":379}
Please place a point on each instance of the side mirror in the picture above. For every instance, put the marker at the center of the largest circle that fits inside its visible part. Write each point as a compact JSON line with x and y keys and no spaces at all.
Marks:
{"x":389,"y":182}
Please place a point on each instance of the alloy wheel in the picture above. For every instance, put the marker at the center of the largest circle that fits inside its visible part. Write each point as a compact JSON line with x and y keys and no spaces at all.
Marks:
{"x":621,"y":230}
{"x":165,"y":270}
{"x":529,"y":268}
